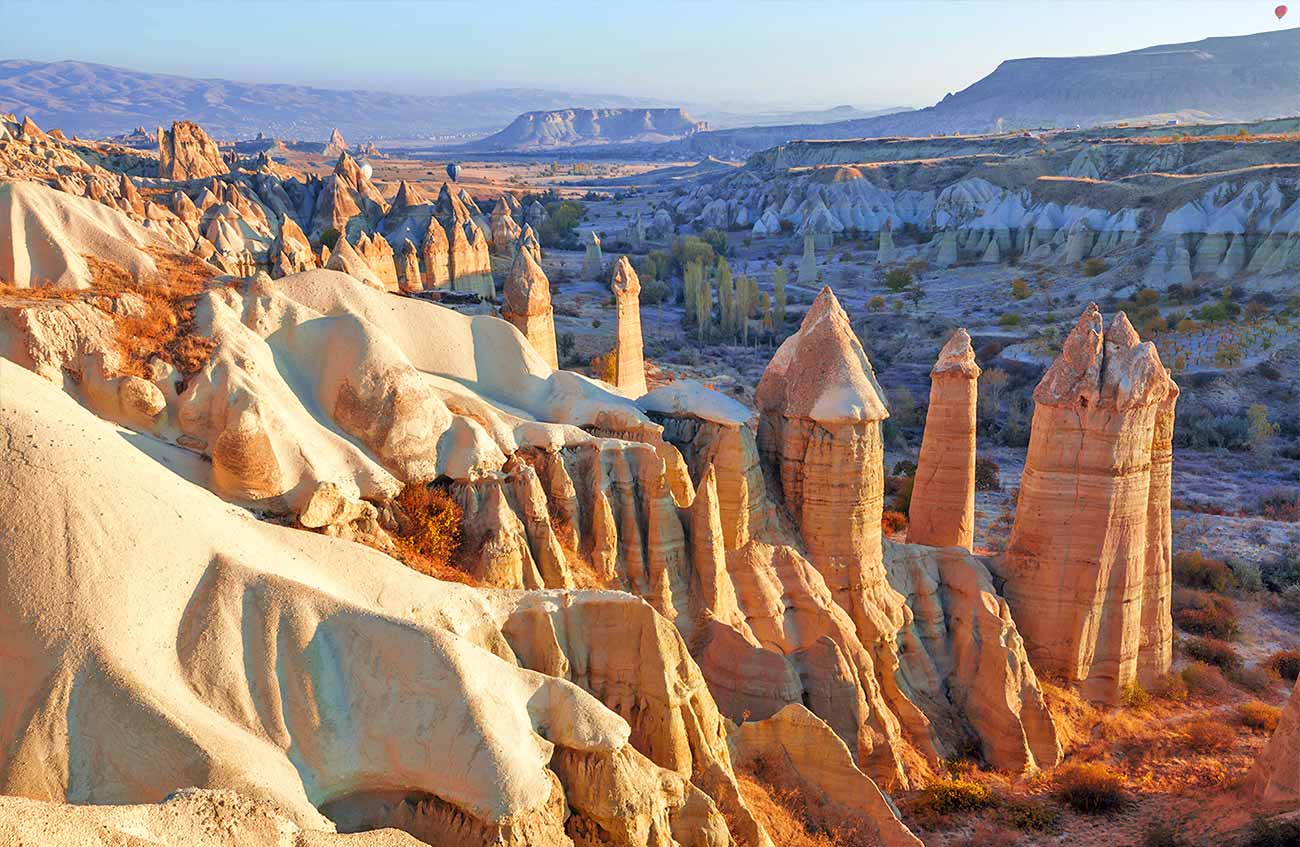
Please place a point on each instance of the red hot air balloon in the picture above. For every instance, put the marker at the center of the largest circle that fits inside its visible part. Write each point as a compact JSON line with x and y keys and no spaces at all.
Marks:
{"x":1280,"y":11}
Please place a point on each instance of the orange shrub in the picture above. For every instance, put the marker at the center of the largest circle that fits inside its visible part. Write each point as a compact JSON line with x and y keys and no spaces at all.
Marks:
{"x":1260,"y":716}
{"x":1090,"y":788}
{"x":892,"y":522}
{"x":1207,"y":736}
{"x":1285,"y":663}
{"x":432,"y":529}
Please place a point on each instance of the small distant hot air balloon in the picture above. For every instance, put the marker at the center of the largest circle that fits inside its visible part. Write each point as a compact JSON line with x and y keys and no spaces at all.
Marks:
{"x":1280,"y":11}
{"x":453,"y":171}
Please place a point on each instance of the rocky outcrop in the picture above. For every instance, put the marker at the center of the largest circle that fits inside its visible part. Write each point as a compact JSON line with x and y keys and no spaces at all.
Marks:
{"x":629,"y":362}
{"x":336,"y":146}
{"x":797,"y":741}
{"x":1274,"y":783}
{"x":187,"y":152}
{"x":409,"y":278}
{"x":469,"y":260}
{"x":378,"y":254}
{"x":1087,"y":568}
{"x":527,"y":305}
{"x":942,"y":513}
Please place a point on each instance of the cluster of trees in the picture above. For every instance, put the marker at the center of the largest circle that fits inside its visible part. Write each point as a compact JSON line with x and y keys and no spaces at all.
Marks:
{"x":723,"y":307}
{"x":563,"y":217}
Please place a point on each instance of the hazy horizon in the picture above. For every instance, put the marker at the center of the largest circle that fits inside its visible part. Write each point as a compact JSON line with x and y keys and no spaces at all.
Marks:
{"x":721,"y":56}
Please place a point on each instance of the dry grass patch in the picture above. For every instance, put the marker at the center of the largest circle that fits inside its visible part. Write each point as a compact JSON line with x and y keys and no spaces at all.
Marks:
{"x":778,"y":799}
{"x":1091,"y":788}
{"x":1259,"y":716}
{"x":431,"y":536}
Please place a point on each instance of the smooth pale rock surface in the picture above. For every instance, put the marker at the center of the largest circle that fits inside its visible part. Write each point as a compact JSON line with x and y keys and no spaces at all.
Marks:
{"x":1087,"y":568}
{"x":302,"y":657}
{"x":48,"y":235}
{"x":527,"y":305}
{"x":187,"y":152}
{"x":1275,"y":780}
{"x":943,"y":496}
{"x":629,"y":361}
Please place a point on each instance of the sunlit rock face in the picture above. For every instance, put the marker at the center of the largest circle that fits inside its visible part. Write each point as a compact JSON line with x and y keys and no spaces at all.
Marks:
{"x":1275,"y":780}
{"x":943,"y":497}
{"x":527,"y":305}
{"x":187,"y":152}
{"x":629,"y":361}
{"x":1088,"y":566}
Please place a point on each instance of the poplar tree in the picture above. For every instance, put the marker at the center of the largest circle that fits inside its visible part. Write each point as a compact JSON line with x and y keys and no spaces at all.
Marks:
{"x":779,"y":279}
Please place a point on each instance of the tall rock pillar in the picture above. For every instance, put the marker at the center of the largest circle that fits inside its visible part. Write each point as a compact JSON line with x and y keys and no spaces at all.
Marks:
{"x":629,"y":359}
{"x":528,"y":305}
{"x":820,"y":411}
{"x":1086,"y":570}
{"x":943,"y":499}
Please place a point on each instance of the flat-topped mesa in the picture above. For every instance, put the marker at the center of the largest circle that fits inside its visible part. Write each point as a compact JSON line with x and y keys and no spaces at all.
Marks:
{"x":820,"y":410}
{"x":505,"y":231}
{"x":629,"y":358}
{"x":943,"y":499}
{"x":187,"y":152}
{"x":527,"y":305}
{"x":1088,"y":567}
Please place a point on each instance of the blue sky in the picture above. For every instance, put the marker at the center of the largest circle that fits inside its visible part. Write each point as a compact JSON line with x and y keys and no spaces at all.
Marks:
{"x":809,"y":54}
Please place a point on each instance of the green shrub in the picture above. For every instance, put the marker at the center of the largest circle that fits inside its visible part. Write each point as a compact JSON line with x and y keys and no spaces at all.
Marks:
{"x":1028,"y":814}
{"x":1009,"y":319}
{"x":946,"y":796}
{"x":1094,"y":267}
{"x":1212,"y":651}
{"x":1196,"y":571}
{"x":988,"y":476}
{"x":1019,"y":288}
{"x":1134,"y":696}
{"x":898,"y":279}
{"x":1090,"y":788}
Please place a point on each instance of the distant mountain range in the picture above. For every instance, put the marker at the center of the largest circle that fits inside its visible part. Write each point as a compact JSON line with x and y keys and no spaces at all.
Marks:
{"x":575,"y":127}
{"x":1217,"y":79}
{"x":99,"y":100}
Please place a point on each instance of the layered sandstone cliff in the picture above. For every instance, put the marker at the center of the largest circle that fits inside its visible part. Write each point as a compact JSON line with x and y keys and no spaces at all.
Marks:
{"x":1087,"y":568}
{"x":943,"y":497}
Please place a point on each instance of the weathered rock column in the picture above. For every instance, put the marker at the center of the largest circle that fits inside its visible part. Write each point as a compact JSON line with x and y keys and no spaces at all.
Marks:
{"x":629,"y":359}
{"x":528,"y":305}
{"x":1155,"y":653}
{"x":820,"y":410}
{"x":943,"y":499}
{"x":1088,"y":586}
{"x":593,"y":264}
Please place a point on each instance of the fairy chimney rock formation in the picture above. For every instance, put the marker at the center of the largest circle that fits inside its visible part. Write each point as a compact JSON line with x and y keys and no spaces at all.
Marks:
{"x":527,"y":305}
{"x":187,"y":152}
{"x":434,"y":256}
{"x":1088,"y":567}
{"x":594,"y":262}
{"x":629,"y":361}
{"x":808,"y":264}
{"x":505,"y":231}
{"x":943,"y":499}
{"x":820,"y":411}
{"x":408,"y":268}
